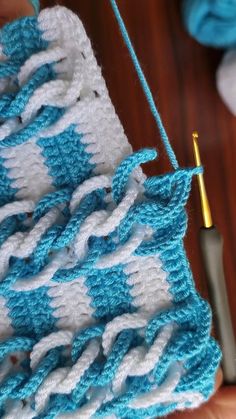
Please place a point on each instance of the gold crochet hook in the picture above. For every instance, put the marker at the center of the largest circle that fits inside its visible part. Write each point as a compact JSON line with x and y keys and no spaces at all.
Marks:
{"x":212,"y":250}
{"x":206,"y":211}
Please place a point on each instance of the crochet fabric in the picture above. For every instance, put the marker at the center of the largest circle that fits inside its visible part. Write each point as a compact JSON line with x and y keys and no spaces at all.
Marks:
{"x":99,"y":316}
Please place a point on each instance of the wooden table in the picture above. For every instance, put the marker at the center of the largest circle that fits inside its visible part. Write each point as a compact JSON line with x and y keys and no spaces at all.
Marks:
{"x":181,"y":74}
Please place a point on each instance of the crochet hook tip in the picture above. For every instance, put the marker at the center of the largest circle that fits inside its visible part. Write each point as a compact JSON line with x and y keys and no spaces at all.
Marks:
{"x":196,"y":149}
{"x":206,"y":212}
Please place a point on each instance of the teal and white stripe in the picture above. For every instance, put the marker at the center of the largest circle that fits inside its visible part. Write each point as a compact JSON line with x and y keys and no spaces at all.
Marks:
{"x":94,"y":284}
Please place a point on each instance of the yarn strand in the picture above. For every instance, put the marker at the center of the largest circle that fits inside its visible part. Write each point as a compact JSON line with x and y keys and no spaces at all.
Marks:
{"x":145,"y":86}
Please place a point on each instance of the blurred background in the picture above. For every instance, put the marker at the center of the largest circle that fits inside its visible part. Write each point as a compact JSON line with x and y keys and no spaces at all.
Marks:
{"x":181,"y":74}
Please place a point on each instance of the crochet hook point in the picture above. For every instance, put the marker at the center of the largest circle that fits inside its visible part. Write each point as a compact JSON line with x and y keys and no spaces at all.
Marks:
{"x":206,"y":211}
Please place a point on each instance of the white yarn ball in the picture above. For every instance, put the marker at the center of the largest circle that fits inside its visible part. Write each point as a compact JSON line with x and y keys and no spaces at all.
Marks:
{"x":226,"y":80}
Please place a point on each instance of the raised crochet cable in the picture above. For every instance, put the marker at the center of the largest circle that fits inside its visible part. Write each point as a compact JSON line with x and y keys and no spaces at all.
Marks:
{"x":145,"y":86}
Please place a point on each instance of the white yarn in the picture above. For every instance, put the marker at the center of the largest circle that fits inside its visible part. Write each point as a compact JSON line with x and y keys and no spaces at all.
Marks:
{"x":55,"y":339}
{"x":82,"y":78}
{"x":94,"y":114}
{"x":87,"y":230}
{"x":102,"y":223}
{"x":8,"y":249}
{"x":26,"y":165}
{"x":122,"y":253}
{"x":67,"y":119}
{"x":187,"y":398}
{"x":118,"y":214}
{"x":52,"y":54}
{"x":226,"y":80}
{"x":48,"y":387}
{"x":79,"y":368}
{"x":148,"y":283}
{"x":72,"y":304}
{"x":33,"y":237}
{"x":136,"y":362}
{"x":6,"y":329}
{"x":162,"y":394}
{"x":17,"y":207}
{"x":88,"y":409}
{"x":60,"y":93}
{"x":19,"y":410}
{"x":99,"y":223}
{"x":44,"y":277}
{"x":21,"y":245}
{"x":141,"y":300}
{"x":5,"y":368}
{"x":65,"y":311}
{"x":140,"y":361}
{"x":7,"y":128}
{"x":63,"y":381}
{"x":136,"y":265}
{"x":88,"y":186}
{"x":123,"y":322}
{"x":145,"y":292}
{"x":76,"y":76}
{"x":131,"y":358}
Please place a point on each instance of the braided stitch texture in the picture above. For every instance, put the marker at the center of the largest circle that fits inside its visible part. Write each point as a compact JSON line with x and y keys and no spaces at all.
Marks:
{"x":96,"y":295}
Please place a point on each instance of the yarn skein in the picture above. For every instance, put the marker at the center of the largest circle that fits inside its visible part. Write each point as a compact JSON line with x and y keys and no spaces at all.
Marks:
{"x":226,"y":80}
{"x":211,"y":22}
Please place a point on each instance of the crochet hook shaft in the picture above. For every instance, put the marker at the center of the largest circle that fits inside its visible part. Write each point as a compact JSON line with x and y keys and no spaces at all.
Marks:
{"x":212,"y":250}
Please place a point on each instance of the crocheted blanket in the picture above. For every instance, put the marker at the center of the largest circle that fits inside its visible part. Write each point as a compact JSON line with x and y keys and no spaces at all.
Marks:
{"x":99,"y":316}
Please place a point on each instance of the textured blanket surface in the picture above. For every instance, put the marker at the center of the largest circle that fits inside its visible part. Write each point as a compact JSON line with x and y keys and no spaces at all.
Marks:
{"x":99,"y":316}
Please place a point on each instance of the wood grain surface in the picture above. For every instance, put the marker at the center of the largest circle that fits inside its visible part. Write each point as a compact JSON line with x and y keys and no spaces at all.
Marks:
{"x":181,"y":74}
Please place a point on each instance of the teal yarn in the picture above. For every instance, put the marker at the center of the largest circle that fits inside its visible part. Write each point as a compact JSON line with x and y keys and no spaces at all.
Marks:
{"x":36,"y":5}
{"x":211,"y":22}
{"x":145,"y":86}
{"x":100,"y":312}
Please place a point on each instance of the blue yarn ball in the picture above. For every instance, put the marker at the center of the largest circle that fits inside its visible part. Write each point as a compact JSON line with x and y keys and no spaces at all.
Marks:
{"x":211,"y":22}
